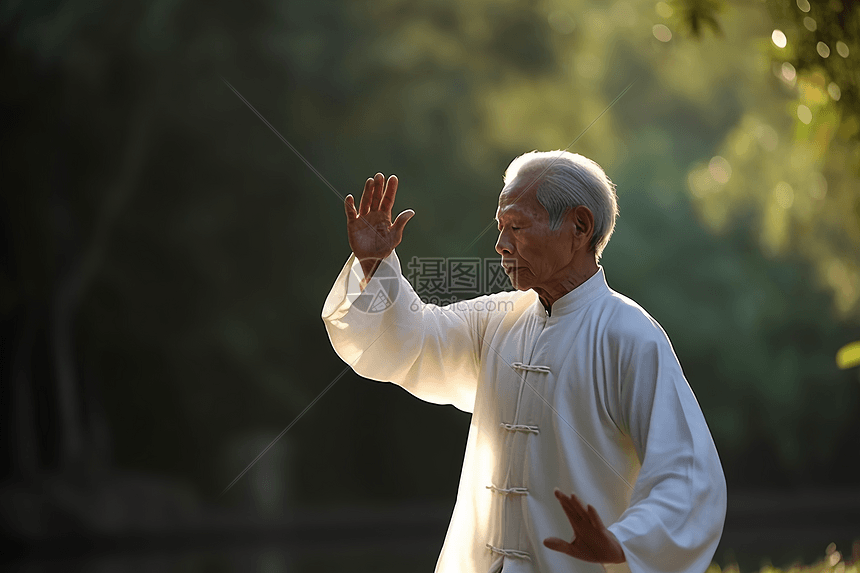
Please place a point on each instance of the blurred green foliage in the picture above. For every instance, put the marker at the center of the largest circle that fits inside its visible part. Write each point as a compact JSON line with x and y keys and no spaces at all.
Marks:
{"x":833,"y":561}
{"x":798,"y":143}
{"x":207,"y":247}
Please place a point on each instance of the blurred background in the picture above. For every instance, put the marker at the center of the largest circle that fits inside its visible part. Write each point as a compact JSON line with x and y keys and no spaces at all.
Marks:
{"x":167,"y":256}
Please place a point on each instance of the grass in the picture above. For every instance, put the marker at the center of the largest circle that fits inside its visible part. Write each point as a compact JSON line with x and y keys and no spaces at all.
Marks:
{"x":833,"y":561}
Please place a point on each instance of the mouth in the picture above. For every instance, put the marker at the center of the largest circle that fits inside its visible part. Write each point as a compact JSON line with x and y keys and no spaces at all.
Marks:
{"x":510,"y":266}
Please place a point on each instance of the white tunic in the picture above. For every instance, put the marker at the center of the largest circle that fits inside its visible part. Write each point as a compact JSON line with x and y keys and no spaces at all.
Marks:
{"x":591,"y":400}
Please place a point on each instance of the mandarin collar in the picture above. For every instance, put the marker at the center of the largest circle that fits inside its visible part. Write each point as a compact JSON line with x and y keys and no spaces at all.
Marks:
{"x":585,"y":293}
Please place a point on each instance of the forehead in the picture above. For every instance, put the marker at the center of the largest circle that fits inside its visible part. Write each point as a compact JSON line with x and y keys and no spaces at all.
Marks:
{"x":519,"y":197}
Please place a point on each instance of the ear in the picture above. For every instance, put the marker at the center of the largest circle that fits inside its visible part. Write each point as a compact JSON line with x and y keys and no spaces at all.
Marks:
{"x":583,"y":221}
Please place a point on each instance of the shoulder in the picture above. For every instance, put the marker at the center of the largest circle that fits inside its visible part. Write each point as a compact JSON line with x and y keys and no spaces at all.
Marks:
{"x":627,"y":323}
{"x":497,"y":306}
{"x":634,"y":341}
{"x":500,"y":303}
{"x":517,"y":297}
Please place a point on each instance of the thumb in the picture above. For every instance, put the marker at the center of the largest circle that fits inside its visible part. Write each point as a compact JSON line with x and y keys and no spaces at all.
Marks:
{"x":400,"y":223}
{"x":557,"y":544}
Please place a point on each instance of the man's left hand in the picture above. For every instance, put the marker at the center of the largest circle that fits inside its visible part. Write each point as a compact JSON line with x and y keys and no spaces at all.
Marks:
{"x":591,"y":540}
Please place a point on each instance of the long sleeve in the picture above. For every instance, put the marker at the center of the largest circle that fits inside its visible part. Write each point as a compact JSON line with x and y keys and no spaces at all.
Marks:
{"x":387,"y":334}
{"x":678,"y":505}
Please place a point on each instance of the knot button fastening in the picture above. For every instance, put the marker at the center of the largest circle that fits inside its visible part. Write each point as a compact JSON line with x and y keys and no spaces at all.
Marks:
{"x":520,"y":428}
{"x":509,"y":490}
{"x":531,"y":368}
{"x":510,"y":552}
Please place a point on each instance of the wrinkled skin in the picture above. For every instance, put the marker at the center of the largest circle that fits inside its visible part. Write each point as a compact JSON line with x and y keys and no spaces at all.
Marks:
{"x":372,"y":235}
{"x":553,"y":263}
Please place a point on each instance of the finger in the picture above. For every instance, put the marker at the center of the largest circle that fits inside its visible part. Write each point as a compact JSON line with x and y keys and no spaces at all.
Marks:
{"x":557,"y":544}
{"x":390,"y":192}
{"x":366,"y":196}
{"x":571,"y":514}
{"x":562,"y":499}
{"x":577,"y":506}
{"x":595,"y":518}
{"x":378,"y":190}
{"x":561,"y":496}
{"x":577,"y":516}
{"x":349,"y":206}
{"x":571,"y":507}
{"x":400,"y":223}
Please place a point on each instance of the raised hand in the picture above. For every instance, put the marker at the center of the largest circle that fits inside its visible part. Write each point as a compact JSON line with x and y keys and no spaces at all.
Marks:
{"x":591,"y":540}
{"x":372,"y":235}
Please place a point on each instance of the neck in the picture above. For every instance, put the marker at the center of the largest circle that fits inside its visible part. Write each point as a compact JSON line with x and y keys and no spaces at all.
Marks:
{"x":550,"y":293}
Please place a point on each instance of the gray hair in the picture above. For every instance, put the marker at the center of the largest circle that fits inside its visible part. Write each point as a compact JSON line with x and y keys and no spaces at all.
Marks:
{"x":568,"y":180}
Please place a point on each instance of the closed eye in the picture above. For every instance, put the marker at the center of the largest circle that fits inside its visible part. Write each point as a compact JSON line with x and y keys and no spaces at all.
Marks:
{"x":499,"y":226}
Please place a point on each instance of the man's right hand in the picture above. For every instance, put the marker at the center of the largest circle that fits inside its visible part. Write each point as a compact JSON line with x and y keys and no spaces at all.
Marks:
{"x":372,"y":236}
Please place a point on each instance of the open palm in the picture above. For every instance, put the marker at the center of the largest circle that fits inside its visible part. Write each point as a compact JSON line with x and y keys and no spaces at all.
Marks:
{"x":372,"y":235}
{"x":591,"y":540}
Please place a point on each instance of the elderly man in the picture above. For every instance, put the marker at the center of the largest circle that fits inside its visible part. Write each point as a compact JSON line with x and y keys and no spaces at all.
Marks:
{"x":581,"y":415}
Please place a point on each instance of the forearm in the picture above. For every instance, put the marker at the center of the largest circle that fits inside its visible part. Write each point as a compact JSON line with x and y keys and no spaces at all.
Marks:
{"x":666,"y":532}
{"x":388,"y":334}
{"x":677,"y":508}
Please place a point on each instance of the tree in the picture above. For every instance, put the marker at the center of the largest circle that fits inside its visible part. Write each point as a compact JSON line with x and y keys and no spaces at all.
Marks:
{"x":794,"y":158}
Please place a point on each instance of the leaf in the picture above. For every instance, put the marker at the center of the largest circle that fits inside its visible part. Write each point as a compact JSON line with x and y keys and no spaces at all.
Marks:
{"x":698,"y":14}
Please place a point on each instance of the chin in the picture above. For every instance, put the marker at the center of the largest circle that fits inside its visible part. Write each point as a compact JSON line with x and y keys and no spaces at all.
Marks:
{"x":517,"y":282}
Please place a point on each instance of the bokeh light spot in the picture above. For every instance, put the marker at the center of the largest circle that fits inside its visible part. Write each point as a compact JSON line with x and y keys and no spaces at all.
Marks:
{"x":661,"y":32}
{"x":810,"y":24}
{"x":720,"y":169}
{"x":788,"y":72}
{"x":842,"y":49}
{"x":803,"y":5}
{"x":804,"y":114}
{"x":823,"y":49}
{"x":664,"y":9}
{"x":700,"y":181}
{"x":848,"y":356}
{"x":778,"y":38}
{"x":784,"y":195}
{"x":834,"y":91}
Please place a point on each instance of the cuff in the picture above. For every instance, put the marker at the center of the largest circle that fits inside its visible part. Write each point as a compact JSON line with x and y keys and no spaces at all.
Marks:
{"x":616,"y":567}
{"x":350,"y":285}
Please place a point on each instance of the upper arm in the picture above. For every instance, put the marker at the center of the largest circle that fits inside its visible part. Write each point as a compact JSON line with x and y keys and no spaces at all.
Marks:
{"x":649,"y":386}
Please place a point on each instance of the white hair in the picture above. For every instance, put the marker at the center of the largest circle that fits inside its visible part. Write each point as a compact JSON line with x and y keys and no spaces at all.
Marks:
{"x":567,"y":180}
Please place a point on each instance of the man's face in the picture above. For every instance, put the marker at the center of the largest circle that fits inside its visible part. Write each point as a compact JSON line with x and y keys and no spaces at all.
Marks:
{"x":534,"y":256}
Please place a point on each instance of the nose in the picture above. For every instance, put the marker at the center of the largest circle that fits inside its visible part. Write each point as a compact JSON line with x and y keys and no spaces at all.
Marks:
{"x":503,"y":244}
